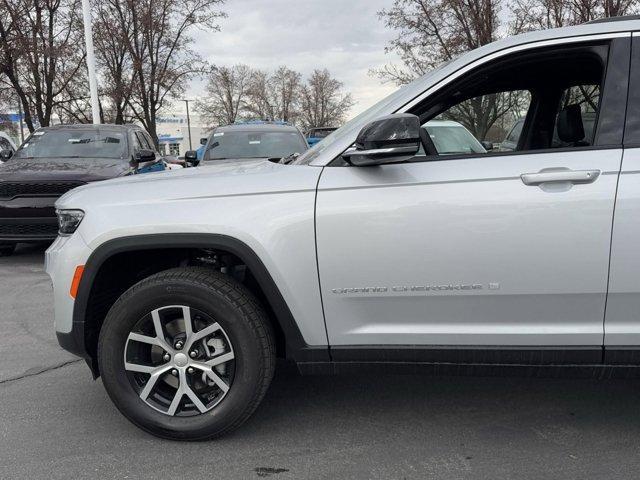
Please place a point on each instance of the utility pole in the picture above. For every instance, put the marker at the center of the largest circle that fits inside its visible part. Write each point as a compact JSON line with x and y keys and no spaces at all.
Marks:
{"x":91,"y":61}
{"x":188,"y":124}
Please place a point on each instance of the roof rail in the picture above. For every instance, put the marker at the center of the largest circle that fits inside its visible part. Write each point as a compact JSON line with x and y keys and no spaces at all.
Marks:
{"x":260,"y":122}
{"x":621,"y":18}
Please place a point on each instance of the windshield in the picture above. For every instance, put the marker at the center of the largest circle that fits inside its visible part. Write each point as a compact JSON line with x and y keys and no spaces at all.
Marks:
{"x":73,"y":144}
{"x":320,"y":132}
{"x":453,"y":139}
{"x":254,"y":144}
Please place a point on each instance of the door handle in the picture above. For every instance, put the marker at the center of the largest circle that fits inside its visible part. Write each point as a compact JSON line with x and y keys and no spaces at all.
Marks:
{"x":560,"y":176}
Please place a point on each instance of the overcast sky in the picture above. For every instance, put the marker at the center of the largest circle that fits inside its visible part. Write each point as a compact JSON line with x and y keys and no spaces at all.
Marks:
{"x":344,"y":36}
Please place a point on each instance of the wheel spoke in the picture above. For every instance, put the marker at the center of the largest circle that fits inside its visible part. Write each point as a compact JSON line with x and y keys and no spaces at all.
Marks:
{"x":136,"y":337}
{"x":157,"y":326}
{"x":136,"y":367}
{"x":152,"y":381}
{"x":219,"y":360}
{"x":175,"y":402}
{"x":194,"y":398}
{"x":218,"y":381}
{"x":212,"y":375}
{"x":188,"y":326}
{"x":179,"y":393}
{"x":214,"y":327}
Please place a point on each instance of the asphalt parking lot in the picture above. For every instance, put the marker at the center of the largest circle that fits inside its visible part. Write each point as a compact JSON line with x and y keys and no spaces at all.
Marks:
{"x":58,"y":423}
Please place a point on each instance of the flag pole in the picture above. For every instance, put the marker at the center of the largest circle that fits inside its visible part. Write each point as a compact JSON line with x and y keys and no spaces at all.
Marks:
{"x":91,"y":61}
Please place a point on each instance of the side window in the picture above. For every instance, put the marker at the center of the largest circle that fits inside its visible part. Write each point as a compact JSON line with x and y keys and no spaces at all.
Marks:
{"x":137,"y":143}
{"x":576,"y":116}
{"x":479,"y":124}
{"x":149,"y":141}
{"x":142,"y":142}
{"x":484,"y":111}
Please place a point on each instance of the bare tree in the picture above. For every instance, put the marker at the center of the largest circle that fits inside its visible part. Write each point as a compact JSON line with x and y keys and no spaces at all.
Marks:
{"x":541,"y":14}
{"x":434,"y":31}
{"x":160,"y":49}
{"x":285,"y":85}
{"x":226,"y":94}
{"x":274,"y":96}
{"x":430,"y":32}
{"x":259,"y":101}
{"x":41,"y":57}
{"x":322,"y":102}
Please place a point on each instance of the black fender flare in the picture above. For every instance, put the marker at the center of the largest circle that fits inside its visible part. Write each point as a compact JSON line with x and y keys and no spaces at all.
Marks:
{"x":296,"y":347}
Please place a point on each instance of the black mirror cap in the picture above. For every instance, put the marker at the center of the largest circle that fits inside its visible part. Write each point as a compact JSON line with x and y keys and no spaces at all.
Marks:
{"x":192,"y":157}
{"x":390,"y":139}
{"x":398,"y":129}
{"x":6,"y":154}
{"x":144,"y":155}
{"x":487,"y":145}
{"x":203,"y":141}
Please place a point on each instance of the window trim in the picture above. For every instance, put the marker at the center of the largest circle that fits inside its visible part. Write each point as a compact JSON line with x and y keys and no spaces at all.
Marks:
{"x":619,"y":52}
{"x":468,"y":156}
{"x":506,"y":52}
{"x":444,"y":82}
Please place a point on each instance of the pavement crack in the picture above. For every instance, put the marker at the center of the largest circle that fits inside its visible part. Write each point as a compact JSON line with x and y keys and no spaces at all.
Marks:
{"x":32,"y":373}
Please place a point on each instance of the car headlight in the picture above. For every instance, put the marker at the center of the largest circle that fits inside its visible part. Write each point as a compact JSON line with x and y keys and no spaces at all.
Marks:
{"x":69,"y":221}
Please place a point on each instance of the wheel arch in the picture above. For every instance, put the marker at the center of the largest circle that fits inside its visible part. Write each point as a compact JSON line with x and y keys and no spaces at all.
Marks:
{"x":94,"y":299}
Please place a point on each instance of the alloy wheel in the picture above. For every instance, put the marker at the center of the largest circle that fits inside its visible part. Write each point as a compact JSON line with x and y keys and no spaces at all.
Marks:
{"x":179,"y":360}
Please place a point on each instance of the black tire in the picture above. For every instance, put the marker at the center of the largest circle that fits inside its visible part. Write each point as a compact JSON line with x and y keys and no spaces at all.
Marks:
{"x":7,"y":249}
{"x":232,"y":306}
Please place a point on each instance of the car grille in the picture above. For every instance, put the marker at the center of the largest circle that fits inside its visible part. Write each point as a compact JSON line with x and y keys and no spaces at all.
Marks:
{"x":10,"y":190}
{"x":29,"y":229}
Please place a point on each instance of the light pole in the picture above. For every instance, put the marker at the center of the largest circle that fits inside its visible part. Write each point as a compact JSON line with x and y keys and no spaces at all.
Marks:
{"x":188,"y":124}
{"x":21,"y":124}
{"x":91,"y":60}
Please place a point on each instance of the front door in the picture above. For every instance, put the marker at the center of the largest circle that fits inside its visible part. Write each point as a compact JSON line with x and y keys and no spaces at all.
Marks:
{"x":475,"y":246}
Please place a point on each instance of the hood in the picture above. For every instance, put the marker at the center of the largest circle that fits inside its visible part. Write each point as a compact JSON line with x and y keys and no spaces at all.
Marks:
{"x":63,"y":169}
{"x":220,"y":180}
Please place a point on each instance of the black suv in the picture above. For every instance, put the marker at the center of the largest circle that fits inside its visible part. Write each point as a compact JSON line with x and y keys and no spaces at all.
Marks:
{"x":52,"y":161}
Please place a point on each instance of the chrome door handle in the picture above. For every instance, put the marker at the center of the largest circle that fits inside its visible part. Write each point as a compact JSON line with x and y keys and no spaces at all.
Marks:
{"x":560,"y":176}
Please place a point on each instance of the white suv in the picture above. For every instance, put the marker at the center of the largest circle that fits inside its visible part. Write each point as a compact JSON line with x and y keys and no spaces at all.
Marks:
{"x":374,"y":249}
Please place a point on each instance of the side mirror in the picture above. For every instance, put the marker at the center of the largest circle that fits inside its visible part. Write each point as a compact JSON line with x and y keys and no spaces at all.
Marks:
{"x":6,"y":154}
{"x":391,"y":139}
{"x":143,"y":156}
{"x":192,"y":157}
{"x":203,"y":141}
{"x":487,"y":145}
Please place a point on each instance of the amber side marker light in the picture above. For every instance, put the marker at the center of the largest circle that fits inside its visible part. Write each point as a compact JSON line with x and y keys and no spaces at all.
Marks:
{"x":75,"y":283}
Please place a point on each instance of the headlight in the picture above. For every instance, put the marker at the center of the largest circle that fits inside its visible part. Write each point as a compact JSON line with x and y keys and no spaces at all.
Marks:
{"x":69,"y":221}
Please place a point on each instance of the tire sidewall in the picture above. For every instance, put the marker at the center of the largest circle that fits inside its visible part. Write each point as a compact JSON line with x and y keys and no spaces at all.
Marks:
{"x":246,"y":346}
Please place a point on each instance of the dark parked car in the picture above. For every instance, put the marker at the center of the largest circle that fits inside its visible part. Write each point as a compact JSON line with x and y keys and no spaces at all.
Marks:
{"x":250,"y":140}
{"x":52,"y":161}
